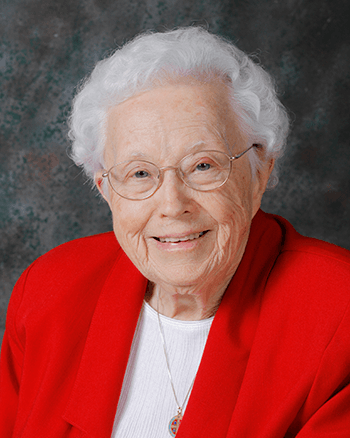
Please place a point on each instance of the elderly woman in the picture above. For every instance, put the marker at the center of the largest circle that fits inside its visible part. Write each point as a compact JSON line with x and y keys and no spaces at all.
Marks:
{"x":200,"y":315}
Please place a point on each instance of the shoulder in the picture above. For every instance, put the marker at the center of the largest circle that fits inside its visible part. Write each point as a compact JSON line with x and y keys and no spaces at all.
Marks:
{"x":73,"y":261}
{"x":75,"y":256}
{"x":307,"y":292}
{"x":311,"y":250}
{"x":68,"y":277}
{"x":312,"y":270}
{"x":86,"y":247}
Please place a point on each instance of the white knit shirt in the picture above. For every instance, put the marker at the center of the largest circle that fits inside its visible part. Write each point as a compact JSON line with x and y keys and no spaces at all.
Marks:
{"x":147,"y":402}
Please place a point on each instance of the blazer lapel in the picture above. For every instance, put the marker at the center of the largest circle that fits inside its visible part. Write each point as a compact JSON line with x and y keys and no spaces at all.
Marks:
{"x":227,"y":350}
{"x":94,"y":398}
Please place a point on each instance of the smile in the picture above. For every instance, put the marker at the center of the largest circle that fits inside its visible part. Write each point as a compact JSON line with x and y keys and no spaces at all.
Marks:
{"x":181,"y":239}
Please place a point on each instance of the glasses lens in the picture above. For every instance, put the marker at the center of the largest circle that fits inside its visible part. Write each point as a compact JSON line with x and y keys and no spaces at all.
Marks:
{"x":206,"y":170}
{"x":134,"y":179}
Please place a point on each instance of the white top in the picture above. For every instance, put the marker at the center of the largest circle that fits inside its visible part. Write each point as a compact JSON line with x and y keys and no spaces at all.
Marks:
{"x":147,"y":402}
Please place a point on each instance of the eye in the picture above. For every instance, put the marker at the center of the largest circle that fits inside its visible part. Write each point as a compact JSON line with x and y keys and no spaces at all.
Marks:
{"x":203,"y":166}
{"x":141,"y":174}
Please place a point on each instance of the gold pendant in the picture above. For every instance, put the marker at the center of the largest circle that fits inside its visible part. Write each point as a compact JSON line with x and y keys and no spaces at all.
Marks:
{"x":174,"y":424}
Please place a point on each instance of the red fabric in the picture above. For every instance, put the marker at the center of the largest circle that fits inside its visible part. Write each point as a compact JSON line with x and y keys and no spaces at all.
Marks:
{"x":276,"y":363}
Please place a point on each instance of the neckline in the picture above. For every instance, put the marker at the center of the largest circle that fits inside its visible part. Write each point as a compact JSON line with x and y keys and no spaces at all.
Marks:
{"x":201,"y":323}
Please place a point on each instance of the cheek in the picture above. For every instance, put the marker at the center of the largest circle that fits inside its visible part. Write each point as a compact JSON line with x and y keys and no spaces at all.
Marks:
{"x":129,"y":221}
{"x":233,"y":214}
{"x":236,"y":198}
{"x":243,"y":193}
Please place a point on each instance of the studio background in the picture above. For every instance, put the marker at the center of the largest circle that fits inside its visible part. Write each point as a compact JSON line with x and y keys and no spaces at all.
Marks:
{"x":48,"y":46}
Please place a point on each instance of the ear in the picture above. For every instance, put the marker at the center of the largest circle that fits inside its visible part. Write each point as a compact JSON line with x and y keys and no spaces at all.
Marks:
{"x":262,"y":176}
{"x":99,"y":181}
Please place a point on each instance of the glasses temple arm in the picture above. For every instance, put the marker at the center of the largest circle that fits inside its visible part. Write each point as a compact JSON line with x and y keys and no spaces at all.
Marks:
{"x":255,"y":145}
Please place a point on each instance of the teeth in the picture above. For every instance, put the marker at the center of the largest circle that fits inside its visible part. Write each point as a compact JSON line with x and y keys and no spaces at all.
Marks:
{"x":182,"y":239}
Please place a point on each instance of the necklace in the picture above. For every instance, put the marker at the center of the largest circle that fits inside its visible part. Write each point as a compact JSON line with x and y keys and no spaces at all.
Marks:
{"x":175,"y":422}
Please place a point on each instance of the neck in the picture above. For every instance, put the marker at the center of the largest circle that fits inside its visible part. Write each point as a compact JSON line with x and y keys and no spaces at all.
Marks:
{"x":187,"y":305}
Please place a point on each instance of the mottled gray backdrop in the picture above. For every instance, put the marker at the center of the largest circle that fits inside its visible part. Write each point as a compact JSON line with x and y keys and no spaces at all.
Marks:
{"x":47,"y":46}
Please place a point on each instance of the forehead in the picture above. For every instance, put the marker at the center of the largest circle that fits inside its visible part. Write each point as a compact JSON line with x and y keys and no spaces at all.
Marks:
{"x":172,"y":115}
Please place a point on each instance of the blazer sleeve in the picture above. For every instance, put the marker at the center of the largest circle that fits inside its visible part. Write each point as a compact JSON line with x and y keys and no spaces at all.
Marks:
{"x":329,"y":398}
{"x":12,"y":354}
{"x":332,"y":419}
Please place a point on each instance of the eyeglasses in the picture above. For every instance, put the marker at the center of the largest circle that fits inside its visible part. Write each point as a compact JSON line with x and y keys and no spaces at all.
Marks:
{"x":203,"y":171}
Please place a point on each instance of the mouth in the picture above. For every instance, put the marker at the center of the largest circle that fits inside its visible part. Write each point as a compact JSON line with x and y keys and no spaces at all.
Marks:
{"x":187,"y":238}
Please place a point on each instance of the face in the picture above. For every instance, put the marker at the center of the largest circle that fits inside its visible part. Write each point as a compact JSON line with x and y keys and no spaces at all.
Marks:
{"x":182,"y":238}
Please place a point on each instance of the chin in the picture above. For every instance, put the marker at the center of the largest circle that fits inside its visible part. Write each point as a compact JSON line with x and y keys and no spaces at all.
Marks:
{"x":181,"y":277}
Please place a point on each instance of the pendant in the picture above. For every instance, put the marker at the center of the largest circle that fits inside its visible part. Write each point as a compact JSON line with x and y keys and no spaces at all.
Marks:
{"x":174,"y":424}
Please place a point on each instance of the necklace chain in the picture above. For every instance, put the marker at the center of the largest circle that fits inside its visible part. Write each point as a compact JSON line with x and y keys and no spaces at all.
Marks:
{"x":161,"y":331}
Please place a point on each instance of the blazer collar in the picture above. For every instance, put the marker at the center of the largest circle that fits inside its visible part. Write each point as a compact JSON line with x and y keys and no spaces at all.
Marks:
{"x":94,"y":398}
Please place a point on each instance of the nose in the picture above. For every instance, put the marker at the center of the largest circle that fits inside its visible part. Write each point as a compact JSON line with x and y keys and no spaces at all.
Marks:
{"x":173,"y":195}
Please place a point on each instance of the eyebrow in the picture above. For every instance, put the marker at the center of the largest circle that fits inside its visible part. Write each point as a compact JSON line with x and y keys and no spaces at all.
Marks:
{"x":190,"y":149}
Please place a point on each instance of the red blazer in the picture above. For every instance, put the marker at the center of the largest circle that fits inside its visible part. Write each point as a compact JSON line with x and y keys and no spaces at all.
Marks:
{"x":276,"y":363}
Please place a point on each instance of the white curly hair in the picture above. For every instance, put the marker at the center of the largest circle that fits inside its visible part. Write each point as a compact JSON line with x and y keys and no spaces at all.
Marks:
{"x":151,"y":58}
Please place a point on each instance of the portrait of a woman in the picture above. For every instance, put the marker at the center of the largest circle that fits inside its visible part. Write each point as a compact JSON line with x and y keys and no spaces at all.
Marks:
{"x":200,"y":315}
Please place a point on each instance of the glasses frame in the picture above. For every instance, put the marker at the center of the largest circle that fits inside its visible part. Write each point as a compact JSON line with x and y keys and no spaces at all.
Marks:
{"x":106,"y":173}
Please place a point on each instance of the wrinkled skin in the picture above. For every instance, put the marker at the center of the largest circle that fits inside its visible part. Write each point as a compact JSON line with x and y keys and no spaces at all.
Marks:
{"x":163,"y":125}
